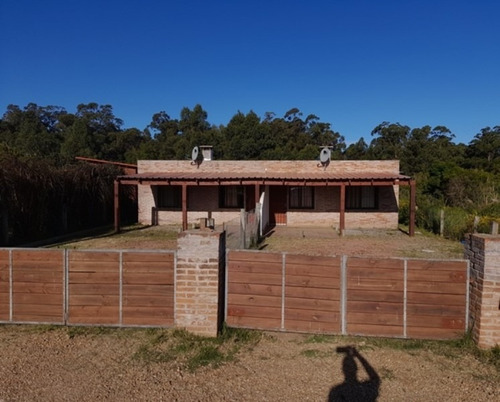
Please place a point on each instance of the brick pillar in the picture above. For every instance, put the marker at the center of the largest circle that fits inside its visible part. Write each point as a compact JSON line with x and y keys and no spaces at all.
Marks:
{"x":199,"y":281}
{"x":483,"y":252}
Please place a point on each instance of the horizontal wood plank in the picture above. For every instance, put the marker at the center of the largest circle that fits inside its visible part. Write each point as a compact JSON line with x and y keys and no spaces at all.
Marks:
{"x":437,"y":265}
{"x":253,"y":300}
{"x":375,"y":330}
{"x":130,"y":257}
{"x":312,"y":261}
{"x":36,"y":298}
{"x":239,"y":255}
{"x":255,"y":267}
{"x":437,"y":287}
{"x":434,"y":333}
{"x":311,"y":315}
{"x":375,"y":307}
{"x":93,"y":289}
{"x":436,"y":310}
{"x":37,"y":255}
{"x":256,"y":278}
{"x":133,"y":312}
{"x":313,"y":327}
{"x":156,"y":301}
{"x":373,"y":319}
{"x":374,"y":263}
{"x":164,"y":278}
{"x":312,"y":282}
{"x":380,"y":285}
{"x":312,"y":304}
{"x":252,"y":289}
{"x":38,"y":309}
{"x":375,"y":296}
{"x":147,"y":290}
{"x":432,"y":298}
{"x":254,"y":322}
{"x":94,"y":300}
{"x":312,"y":271}
{"x":447,"y":276}
{"x":253,"y":311}
{"x":426,"y":321}
{"x":374,"y":273}
{"x":312,"y":293}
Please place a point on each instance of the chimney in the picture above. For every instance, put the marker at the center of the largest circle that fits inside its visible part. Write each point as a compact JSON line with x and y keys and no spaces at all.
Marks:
{"x":207,"y":152}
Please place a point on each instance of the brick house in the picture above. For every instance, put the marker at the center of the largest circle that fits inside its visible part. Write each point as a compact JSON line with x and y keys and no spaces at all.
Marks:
{"x":339,"y":194}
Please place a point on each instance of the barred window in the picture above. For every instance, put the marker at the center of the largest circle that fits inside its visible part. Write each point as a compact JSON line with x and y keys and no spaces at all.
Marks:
{"x":301,"y":197}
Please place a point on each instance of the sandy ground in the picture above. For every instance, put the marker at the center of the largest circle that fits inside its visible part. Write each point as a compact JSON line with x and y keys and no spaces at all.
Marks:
{"x":52,"y":365}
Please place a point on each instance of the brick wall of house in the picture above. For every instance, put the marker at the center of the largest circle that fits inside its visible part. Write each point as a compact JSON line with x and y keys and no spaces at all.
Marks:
{"x":202,"y":200}
{"x":483,"y":252}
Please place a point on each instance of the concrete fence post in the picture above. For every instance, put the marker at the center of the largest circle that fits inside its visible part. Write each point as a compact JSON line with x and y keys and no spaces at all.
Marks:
{"x":483,"y":253}
{"x":199,"y":281}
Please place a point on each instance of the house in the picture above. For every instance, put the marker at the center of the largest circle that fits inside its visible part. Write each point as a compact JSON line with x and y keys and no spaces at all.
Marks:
{"x":340,"y":194}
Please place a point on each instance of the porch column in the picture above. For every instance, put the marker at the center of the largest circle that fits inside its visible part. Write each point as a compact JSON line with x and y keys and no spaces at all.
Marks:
{"x":257,"y":194}
{"x":116,"y":202}
{"x":184,"y":207}
{"x":413,"y":207}
{"x":342,"y":209}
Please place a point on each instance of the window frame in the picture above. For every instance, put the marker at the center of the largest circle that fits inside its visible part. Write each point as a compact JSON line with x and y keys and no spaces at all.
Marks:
{"x":303,"y":200}
{"x":237,"y":199}
{"x":173,"y":202}
{"x":362,"y":198}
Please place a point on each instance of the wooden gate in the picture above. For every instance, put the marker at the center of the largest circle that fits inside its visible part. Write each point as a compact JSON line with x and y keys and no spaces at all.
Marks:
{"x":277,"y":205}
{"x":391,"y":297}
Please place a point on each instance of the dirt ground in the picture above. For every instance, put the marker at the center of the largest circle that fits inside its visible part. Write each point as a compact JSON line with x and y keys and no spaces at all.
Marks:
{"x":52,"y":364}
{"x":313,"y":241}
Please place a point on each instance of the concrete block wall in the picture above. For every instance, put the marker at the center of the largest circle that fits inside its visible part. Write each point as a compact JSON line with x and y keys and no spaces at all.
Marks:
{"x":199,"y":282}
{"x":483,"y":252}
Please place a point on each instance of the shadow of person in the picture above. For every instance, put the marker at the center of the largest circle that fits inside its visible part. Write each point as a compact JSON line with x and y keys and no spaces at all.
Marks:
{"x":352,"y":389}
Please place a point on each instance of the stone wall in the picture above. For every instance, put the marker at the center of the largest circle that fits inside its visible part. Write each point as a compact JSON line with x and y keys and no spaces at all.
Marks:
{"x":483,"y":252}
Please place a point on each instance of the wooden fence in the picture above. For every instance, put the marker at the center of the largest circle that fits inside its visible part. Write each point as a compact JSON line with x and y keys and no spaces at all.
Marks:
{"x":340,"y":295}
{"x":129,"y":288}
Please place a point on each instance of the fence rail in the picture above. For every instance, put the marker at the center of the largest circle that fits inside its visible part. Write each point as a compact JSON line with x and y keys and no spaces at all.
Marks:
{"x":117,"y":287}
{"x":341,"y":295}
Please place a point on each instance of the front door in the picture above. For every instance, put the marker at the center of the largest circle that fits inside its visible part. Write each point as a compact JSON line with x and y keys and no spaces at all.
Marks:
{"x":277,"y":205}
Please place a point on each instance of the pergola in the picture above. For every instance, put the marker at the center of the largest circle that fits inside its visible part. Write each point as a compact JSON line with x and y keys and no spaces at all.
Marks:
{"x":199,"y":178}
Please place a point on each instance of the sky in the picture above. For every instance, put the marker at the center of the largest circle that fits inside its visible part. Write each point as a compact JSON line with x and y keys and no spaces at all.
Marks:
{"x":352,"y":63}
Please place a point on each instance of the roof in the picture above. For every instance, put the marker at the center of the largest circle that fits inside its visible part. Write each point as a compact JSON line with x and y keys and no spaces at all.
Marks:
{"x":196,"y":177}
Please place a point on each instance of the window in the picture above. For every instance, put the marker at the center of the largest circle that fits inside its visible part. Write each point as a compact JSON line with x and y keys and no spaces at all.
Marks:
{"x":301,"y":197}
{"x":168,"y":197}
{"x":361,"y":197}
{"x":231,"y":197}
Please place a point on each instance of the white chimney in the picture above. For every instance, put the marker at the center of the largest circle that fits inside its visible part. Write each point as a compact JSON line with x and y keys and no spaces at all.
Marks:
{"x":207,"y":152}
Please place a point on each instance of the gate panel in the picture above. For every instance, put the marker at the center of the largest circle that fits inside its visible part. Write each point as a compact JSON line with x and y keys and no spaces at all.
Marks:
{"x":375,"y":297}
{"x":254,"y":290}
{"x":312,"y":294}
{"x":437,"y":294}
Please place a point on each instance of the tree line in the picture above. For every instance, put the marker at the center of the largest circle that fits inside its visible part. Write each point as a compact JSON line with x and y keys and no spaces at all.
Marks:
{"x":449,"y":175}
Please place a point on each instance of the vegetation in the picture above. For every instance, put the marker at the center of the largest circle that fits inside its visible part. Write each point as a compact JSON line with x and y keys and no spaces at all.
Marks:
{"x":41,"y":181}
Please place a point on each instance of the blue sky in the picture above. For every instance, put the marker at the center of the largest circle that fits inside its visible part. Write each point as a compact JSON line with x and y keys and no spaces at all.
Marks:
{"x":353,"y":63}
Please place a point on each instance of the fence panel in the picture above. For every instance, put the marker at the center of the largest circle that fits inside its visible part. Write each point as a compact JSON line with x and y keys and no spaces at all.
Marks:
{"x":436,"y":301}
{"x":37,"y":286}
{"x":375,"y":297}
{"x":93,"y":287}
{"x":148,"y":288}
{"x":254,"y":289}
{"x":312,"y":294}
{"x":4,"y":285}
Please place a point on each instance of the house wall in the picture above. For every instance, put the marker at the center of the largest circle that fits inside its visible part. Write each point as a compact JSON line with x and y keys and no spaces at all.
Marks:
{"x":204,"y":199}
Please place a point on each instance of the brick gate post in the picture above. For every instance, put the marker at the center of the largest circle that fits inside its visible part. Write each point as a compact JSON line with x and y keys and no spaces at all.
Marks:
{"x":199,"y":281}
{"x":483,"y":252}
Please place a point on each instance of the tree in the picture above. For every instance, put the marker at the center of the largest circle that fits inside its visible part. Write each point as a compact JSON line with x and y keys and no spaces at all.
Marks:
{"x":483,"y":151}
{"x":390,"y":141}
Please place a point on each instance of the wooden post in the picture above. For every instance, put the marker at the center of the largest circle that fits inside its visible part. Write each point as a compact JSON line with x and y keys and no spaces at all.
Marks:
{"x":184,"y":207}
{"x":257,"y":194}
{"x":441,"y":222}
{"x":117,"y":206}
{"x":413,"y":207}
{"x":342,"y":209}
